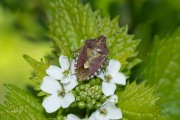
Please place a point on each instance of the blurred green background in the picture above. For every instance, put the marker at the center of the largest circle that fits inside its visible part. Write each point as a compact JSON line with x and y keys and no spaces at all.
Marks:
{"x":23,"y":30}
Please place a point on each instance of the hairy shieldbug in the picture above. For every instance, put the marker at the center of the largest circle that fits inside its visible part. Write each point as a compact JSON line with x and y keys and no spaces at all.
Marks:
{"x":91,"y":58}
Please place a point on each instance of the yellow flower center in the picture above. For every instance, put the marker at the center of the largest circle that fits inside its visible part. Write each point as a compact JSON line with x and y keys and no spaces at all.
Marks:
{"x":66,"y":72}
{"x":103,"y":112}
{"x":61,"y":93}
{"x":108,"y":78}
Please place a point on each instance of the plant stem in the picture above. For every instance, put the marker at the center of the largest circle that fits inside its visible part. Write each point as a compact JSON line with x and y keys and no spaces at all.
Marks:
{"x":87,"y":113}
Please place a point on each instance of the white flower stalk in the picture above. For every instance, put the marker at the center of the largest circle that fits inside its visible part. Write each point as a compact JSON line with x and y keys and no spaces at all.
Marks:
{"x":65,"y":73}
{"x":58,"y":97}
{"x":108,"y":111}
{"x":111,"y":77}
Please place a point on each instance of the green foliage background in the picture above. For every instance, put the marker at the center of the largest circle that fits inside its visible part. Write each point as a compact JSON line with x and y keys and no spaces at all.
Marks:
{"x":155,"y":22}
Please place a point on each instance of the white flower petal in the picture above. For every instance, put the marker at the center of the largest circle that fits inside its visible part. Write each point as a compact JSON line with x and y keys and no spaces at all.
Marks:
{"x":50,"y":85}
{"x":101,"y":75}
{"x":113,"y":99}
{"x":72,"y":117}
{"x":51,"y":103}
{"x":67,"y":100}
{"x":113,"y":67}
{"x":55,"y":72}
{"x":119,"y":78}
{"x":92,"y":117}
{"x":98,"y":116}
{"x":114,"y":113}
{"x":63,"y":60}
{"x":107,"y":105}
{"x":66,"y":79}
{"x":103,"y":118}
{"x":72,"y":68}
{"x":108,"y":88}
{"x":72,"y":84}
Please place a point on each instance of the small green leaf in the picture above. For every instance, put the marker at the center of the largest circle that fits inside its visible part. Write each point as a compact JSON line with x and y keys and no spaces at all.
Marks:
{"x":39,"y":68}
{"x":138,"y":102}
{"x":20,"y":105}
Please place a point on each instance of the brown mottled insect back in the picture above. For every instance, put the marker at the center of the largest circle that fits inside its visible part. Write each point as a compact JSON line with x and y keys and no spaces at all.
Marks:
{"x":91,"y":58}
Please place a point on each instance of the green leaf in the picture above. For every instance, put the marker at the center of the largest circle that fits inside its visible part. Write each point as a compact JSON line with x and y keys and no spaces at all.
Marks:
{"x":163,"y":69}
{"x":71,"y":23}
{"x":138,"y":102}
{"x":60,"y":49}
{"x":20,"y":105}
{"x":39,"y":68}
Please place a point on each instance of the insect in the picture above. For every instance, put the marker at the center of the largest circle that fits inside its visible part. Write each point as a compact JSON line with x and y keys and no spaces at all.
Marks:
{"x":91,"y":58}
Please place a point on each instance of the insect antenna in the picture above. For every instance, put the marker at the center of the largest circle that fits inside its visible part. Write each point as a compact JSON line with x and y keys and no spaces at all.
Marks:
{"x":113,"y":35}
{"x":98,"y":26}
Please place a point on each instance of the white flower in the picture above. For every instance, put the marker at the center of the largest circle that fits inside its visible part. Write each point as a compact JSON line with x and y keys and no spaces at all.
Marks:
{"x":108,"y":111}
{"x":111,"y":77}
{"x":65,"y":73}
{"x":113,"y":99}
{"x":58,"y":96}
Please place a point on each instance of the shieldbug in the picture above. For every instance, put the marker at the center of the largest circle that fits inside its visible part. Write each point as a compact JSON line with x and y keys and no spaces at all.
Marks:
{"x":91,"y":58}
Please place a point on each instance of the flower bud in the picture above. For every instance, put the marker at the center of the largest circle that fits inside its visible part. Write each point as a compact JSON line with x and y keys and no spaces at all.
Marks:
{"x":89,"y":94}
{"x":92,"y":91}
{"x":98,"y":105}
{"x":77,"y":89}
{"x":88,"y":85}
{"x":89,"y":106}
{"x":82,"y":87}
{"x":78,"y":98}
{"x":98,"y":81}
{"x":97,"y":96}
{"x":100,"y":91}
{"x":93,"y":101}
{"x":82,"y":93}
{"x":103,"y":98}
{"x":82,"y":105}
{"x":83,"y":97}
{"x":92,"y":82}
{"x":88,"y":100}
{"x":96,"y":88}
{"x":92,"y":96}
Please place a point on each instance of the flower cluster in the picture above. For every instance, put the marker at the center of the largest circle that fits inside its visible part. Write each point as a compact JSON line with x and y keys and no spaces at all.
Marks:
{"x":97,"y":93}
{"x":59,"y":83}
{"x":106,"y":112}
